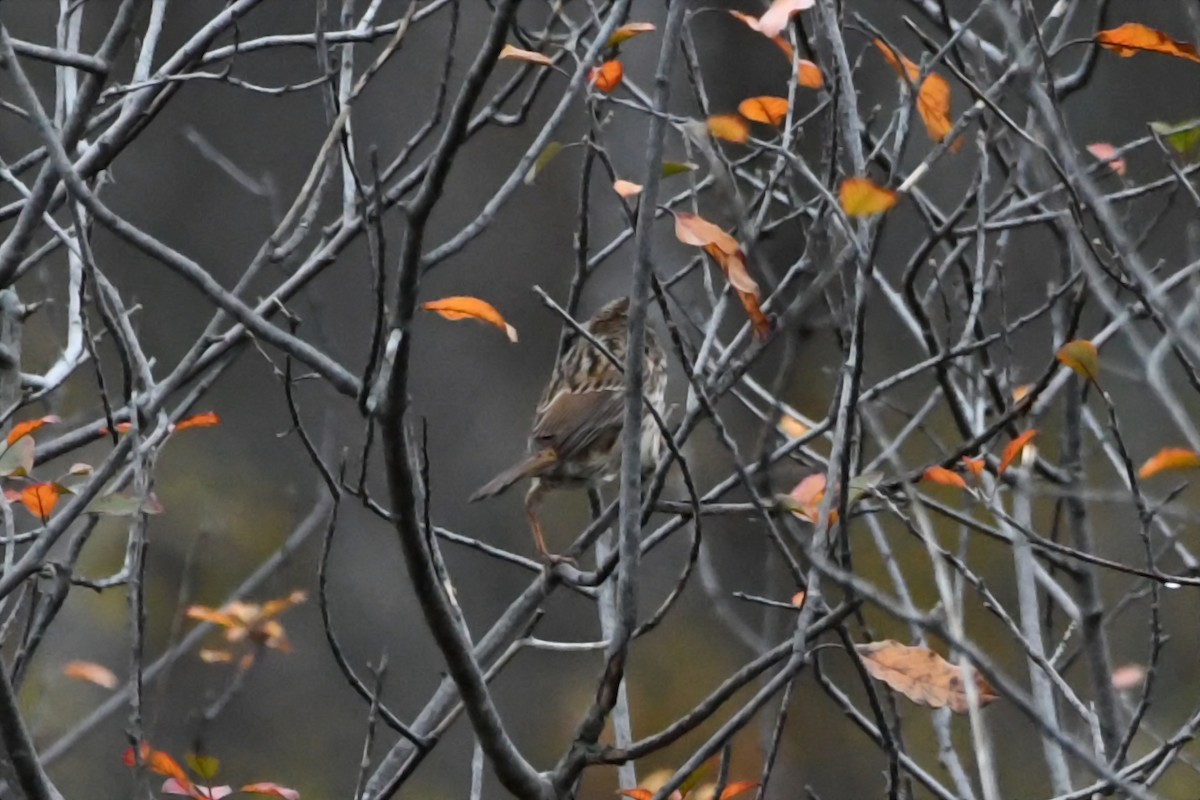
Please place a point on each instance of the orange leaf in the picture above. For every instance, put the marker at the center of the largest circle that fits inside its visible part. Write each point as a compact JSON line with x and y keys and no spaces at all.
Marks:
{"x":921,"y":675}
{"x":91,"y":672}
{"x":1107,"y":153}
{"x":729,"y":127}
{"x":933,"y":94}
{"x":974,"y":465}
{"x":779,"y":14}
{"x":1081,"y":356}
{"x":809,"y":74}
{"x":1014,"y":449}
{"x":157,"y":762}
{"x":626,"y":188}
{"x":1132,"y":37}
{"x":206,"y":420}
{"x":734,"y":266}
{"x":212,"y":615}
{"x":29,"y":426}
{"x":456,"y":308}
{"x":765,"y":109}
{"x":637,"y":794}
{"x":628,"y":31}
{"x":740,"y":787}
{"x":510,"y":53}
{"x":938,"y":474}
{"x":273,"y":789}
{"x":1169,"y":458}
{"x":607,"y":77}
{"x":759,"y":321}
{"x":862,"y":198}
{"x":798,"y":599}
{"x":40,"y":499}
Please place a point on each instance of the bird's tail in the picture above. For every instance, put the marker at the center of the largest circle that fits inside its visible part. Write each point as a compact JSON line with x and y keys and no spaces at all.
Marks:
{"x":525,"y":468}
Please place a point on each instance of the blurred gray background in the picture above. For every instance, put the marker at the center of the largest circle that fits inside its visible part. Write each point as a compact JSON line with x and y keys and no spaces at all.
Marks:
{"x":233,"y":493}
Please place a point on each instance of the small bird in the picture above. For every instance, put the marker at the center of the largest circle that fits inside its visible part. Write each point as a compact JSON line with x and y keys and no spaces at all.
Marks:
{"x":576,"y":438}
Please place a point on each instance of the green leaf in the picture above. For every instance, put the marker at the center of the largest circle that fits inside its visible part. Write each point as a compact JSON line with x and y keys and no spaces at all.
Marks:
{"x":205,"y":767}
{"x":119,"y":504}
{"x":670,"y":168}
{"x":861,"y":485}
{"x":1183,"y":137}
{"x":547,"y":155}
{"x":17,"y":460}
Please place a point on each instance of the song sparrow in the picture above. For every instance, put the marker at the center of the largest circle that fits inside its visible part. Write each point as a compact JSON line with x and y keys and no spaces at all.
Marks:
{"x":576,"y":438}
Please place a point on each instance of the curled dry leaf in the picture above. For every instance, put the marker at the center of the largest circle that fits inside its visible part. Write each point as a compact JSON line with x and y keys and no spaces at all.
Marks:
{"x":1133,"y":37}
{"x":1169,"y":458}
{"x":724,"y":249}
{"x":946,"y":477}
{"x":91,"y":672}
{"x":921,"y":675}
{"x":933,"y":93}
{"x":766,"y":109}
{"x":456,"y":308}
{"x":29,"y":426}
{"x":607,"y":77}
{"x":1014,"y":449}
{"x":862,"y":198}
{"x":729,"y":127}
{"x":779,"y":14}
{"x":1081,"y":357}
{"x":628,"y":31}
{"x":157,"y":762}
{"x":626,"y":188}
{"x":510,"y":53}
{"x":1107,"y":153}
{"x":804,"y":500}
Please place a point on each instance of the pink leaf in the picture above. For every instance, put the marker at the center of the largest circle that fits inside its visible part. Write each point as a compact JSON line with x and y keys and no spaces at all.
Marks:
{"x":776,"y":19}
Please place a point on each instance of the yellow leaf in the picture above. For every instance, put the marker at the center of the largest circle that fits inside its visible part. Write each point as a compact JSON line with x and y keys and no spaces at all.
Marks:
{"x":456,"y":308}
{"x":1132,"y":37}
{"x":792,"y":427}
{"x":729,"y":127}
{"x":862,"y":198}
{"x":765,"y":109}
{"x":510,"y":53}
{"x":1169,"y":458}
{"x":1081,"y":356}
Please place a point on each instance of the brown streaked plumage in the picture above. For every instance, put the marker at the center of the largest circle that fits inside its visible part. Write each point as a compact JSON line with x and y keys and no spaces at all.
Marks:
{"x":576,"y":438}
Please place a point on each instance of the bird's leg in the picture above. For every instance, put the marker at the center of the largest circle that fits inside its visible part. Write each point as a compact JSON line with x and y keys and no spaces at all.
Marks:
{"x":532,"y":499}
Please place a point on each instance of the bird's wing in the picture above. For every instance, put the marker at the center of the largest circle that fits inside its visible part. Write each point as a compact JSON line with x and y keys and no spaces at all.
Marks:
{"x":573,"y":421}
